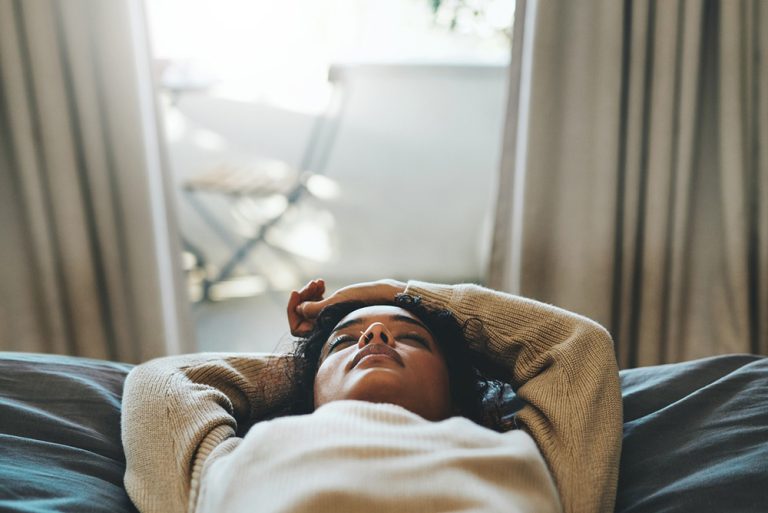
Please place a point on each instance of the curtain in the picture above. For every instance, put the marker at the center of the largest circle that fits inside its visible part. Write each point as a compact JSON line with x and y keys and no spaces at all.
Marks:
{"x":88,"y":254}
{"x":634,"y":178}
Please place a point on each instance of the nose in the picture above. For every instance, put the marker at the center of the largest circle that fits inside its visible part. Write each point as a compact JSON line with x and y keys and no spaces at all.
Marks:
{"x":376,"y":332}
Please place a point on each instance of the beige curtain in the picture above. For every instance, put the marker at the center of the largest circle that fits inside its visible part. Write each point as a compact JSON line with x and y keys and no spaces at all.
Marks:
{"x":634,"y":182}
{"x":88,"y":251}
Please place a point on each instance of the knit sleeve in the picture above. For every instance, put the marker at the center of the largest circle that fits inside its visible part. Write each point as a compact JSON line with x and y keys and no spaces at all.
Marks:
{"x":562,"y":365}
{"x":182,"y":412}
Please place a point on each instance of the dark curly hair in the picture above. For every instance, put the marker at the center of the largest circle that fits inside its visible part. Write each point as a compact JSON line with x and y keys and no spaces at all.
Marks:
{"x":477,"y":397}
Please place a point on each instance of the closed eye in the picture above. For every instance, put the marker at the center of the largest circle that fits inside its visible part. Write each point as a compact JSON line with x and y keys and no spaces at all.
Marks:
{"x":417,"y":338}
{"x":342,"y":341}
{"x":346,"y":340}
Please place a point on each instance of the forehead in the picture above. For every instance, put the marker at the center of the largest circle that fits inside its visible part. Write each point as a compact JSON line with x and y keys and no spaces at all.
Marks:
{"x":377,"y":313}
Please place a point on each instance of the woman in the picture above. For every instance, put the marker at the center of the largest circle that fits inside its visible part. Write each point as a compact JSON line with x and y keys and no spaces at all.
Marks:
{"x":389,"y":429}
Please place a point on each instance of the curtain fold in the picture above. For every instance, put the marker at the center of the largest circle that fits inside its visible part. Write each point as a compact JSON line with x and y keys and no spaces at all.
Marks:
{"x":645,"y":173}
{"x":89,"y":245}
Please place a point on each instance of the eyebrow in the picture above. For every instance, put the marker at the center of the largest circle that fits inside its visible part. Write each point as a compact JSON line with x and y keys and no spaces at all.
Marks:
{"x":395,"y":317}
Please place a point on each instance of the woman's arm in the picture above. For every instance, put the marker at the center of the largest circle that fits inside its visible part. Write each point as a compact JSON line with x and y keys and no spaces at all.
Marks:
{"x":563,"y":366}
{"x":560,"y":363}
{"x":182,"y":412}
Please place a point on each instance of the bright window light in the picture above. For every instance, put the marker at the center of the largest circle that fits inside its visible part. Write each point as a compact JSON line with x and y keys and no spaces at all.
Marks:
{"x":279,"y":53}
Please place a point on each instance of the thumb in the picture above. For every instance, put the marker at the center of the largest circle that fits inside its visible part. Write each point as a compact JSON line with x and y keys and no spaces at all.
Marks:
{"x":310,"y":309}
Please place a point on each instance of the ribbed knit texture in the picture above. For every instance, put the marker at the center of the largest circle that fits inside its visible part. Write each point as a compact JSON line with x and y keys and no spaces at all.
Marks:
{"x":182,"y":417}
{"x":355,"y":457}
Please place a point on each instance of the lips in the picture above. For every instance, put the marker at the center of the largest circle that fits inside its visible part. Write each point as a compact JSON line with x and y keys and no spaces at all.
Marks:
{"x":376,"y":349}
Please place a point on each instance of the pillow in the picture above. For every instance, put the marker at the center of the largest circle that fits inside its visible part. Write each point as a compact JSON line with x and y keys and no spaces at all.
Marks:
{"x":60,"y":435}
{"x":695,"y":437}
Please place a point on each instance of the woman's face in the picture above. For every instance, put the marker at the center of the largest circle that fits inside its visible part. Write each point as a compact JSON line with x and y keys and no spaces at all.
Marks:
{"x":384,"y":354}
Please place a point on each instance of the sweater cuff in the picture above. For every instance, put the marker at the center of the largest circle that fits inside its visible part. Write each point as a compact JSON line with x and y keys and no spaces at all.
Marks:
{"x":434,"y":294}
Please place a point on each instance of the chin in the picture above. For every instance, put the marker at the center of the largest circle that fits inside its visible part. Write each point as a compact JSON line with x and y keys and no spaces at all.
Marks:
{"x":378,"y":386}
{"x":382,"y":384}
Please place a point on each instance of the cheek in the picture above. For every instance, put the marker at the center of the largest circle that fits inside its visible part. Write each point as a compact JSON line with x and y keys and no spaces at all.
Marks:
{"x":432,"y":371}
{"x":327,"y":381}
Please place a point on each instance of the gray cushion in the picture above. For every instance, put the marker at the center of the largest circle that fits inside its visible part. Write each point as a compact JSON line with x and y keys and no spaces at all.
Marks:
{"x":695,"y":437}
{"x":60,"y":435}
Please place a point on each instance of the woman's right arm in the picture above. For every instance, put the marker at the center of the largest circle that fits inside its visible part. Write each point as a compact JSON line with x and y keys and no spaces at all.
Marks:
{"x":182,"y":412}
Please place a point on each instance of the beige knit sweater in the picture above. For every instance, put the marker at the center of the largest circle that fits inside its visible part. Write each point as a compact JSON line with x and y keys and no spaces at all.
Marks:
{"x":194,"y":441}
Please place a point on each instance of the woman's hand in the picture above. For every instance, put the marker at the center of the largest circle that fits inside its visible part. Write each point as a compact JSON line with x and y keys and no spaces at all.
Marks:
{"x":305,"y":305}
{"x":301,"y":325}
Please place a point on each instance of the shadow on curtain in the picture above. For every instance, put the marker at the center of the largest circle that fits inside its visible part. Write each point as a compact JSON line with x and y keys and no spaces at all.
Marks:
{"x":634,"y":181}
{"x":88,"y":259}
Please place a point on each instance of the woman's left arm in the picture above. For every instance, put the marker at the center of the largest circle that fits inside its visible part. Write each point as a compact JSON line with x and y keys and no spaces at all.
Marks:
{"x":563,"y":366}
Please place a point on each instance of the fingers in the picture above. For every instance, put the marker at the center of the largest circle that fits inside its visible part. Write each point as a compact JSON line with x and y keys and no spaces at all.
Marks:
{"x":311,"y":309}
{"x":293,"y":316}
{"x":301,"y":324}
{"x":312,"y":291}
